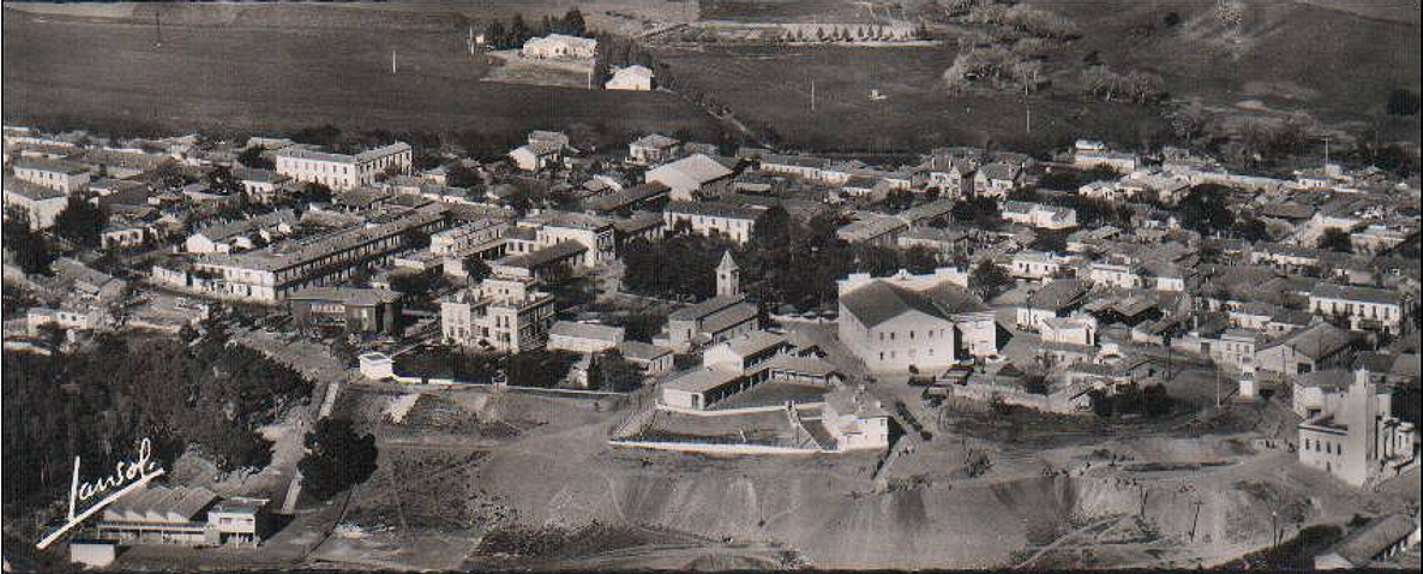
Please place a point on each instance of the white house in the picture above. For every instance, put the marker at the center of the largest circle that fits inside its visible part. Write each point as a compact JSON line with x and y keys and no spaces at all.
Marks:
{"x":560,"y":46}
{"x":735,"y":222}
{"x":583,"y":337}
{"x":692,"y":177}
{"x":632,"y":78}
{"x":1049,"y":217}
{"x":343,"y":171}
{"x":60,"y":175}
{"x":40,"y":204}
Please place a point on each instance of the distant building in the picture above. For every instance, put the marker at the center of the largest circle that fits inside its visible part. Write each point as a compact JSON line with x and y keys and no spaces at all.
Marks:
{"x":653,"y":149}
{"x":1316,"y":347}
{"x":632,"y":78}
{"x":262,"y":185}
{"x":693,"y":177}
{"x":352,"y":309}
{"x":1365,"y":307}
{"x":997,"y":179}
{"x":535,"y":156}
{"x":343,"y":171}
{"x":873,"y":229}
{"x":63,"y":176}
{"x":735,"y":222}
{"x":1048,"y":217}
{"x":653,"y":360}
{"x":1372,"y":545}
{"x":560,"y":46}
{"x":1120,"y":162}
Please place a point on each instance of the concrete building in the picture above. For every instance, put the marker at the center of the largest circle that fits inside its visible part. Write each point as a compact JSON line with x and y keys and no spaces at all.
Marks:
{"x":1372,"y":546}
{"x":536,"y":156}
{"x":873,"y":229}
{"x":242,"y":234}
{"x":583,"y":337}
{"x":270,"y":274}
{"x":482,"y":237}
{"x":653,"y":360}
{"x":905,"y":323}
{"x":735,"y":222}
{"x":1366,"y":308}
{"x":184,"y":516}
{"x":344,"y":171}
{"x":501,"y":314}
{"x":631,"y":78}
{"x":1361,"y":441}
{"x":595,"y":233}
{"x":997,"y":179}
{"x":262,"y":185}
{"x":352,"y":309}
{"x":1058,"y":298}
{"x":63,"y":176}
{"x":654,"y":149}
{"x":40,"y":204}
{"x":1316,"y":347}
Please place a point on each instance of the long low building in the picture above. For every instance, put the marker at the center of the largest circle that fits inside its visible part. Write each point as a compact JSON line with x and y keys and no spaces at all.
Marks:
{"x":352,"y":309}
{"x":343,"y":171}
{"x":270,"y":275}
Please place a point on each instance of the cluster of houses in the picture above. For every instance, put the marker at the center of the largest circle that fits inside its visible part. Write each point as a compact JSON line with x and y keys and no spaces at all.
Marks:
{"x":1081,"y":316}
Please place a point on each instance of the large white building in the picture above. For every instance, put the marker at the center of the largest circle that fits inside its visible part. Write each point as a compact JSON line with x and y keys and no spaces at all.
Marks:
{"x":551,"y":228}
{"x":1365,"y":307}
{"x":905,"y":323}
{"x":501,"y":314}
{"x":268,"y":275}
{"x":343,"y":171}
{"x":560,"y":46}
{"x":1361,"y":440}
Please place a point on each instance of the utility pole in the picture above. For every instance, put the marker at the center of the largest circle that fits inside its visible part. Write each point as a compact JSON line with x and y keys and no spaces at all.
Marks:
{"x":812,"y":95}
{"x":392,"y":61}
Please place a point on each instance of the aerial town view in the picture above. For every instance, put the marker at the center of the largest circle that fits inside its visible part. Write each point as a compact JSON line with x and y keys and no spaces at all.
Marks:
{"x":714,"y":285}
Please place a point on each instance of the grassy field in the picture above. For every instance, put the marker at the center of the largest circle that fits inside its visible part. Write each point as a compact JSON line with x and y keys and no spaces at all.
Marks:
{"x":772,"y":86}
{"x":109,"y":73}
{"x":1338,"y":62}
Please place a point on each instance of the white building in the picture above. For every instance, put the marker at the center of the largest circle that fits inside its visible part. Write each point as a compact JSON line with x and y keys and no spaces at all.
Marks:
{"x":735,"y":222}
{"x":1040,"y":216}
{"x":1365,"y":307}
{"x":583,"y":337}
{"x":560,"y":46}
{"x":40,"y":204}
{"x":60,"y":175}
{"x":501,"y":314}
{"x":692,"y":177}
{"x":632,"y":78}
{"x":1362,"y":440}
{"x":343,"y":171}
{"x":653,"y":149}
{"x":909,"y":322}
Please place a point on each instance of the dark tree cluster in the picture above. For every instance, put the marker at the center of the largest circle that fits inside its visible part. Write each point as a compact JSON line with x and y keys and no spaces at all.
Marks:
{"x":503,"y":37}
{"x":100,"y":402}
{"x":337,"y":458}
{"x":30,"y":248}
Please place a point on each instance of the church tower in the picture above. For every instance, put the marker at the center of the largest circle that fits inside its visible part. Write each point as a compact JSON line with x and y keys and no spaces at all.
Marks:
{"x":728,"y":277}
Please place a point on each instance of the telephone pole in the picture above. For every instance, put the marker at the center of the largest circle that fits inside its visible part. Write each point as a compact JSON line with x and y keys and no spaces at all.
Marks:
{"x":812,"y":95}
{"x":392,"y":61}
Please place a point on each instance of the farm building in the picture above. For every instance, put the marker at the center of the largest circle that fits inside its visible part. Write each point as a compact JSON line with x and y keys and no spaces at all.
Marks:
{"x":632,"y":78}
{"x":559,"y":46}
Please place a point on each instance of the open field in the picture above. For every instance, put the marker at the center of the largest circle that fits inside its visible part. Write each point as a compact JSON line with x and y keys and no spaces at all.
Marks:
{"x":110,"y":74}
{"x":1335,"y":60}
{"x":771,"y":86}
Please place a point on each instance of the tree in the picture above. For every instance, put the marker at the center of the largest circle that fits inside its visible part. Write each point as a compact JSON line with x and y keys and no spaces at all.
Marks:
{"x":81,"y":222}
{"x":496,"y":35}
{"x":1335,"y":239}
{"x":1188,"y":121}
{"x":573,"y":23}
{"x":1403,"y":102}
{"x":314,"y":192}
{"x":773,"y":228}
{"x":29,"y":247}
{"x":616,"y":373}
{"x":1205,"y":209}
{"x":416,"y":285}
{"x":252,"y":157}
{"x":987,"y":280}
{"x":1251,"y":229}
{"x":476,"y":268}
{"x":518,"y":31}
{"x":337,"y":458}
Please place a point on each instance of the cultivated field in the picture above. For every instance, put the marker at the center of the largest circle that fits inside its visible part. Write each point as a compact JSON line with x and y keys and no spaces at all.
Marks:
{"x":110,"y":73}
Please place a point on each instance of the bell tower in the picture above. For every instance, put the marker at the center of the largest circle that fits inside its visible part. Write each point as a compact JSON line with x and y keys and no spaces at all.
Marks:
{"x":728,"y":277}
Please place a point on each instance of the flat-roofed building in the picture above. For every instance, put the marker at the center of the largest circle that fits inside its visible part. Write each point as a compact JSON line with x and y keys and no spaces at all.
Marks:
{"x":502,"y":314}
{"x":60,"y":175}
{"x":268,"y":275}
{"x":344,"y":171}
{"x":583,"y":337}
{"x":1361,"y":440}
{"x":654,"y":149}
{"x":352,"y":309}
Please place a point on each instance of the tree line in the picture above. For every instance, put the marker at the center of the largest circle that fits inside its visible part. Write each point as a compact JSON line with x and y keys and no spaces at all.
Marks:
{"x":511,"y":36}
